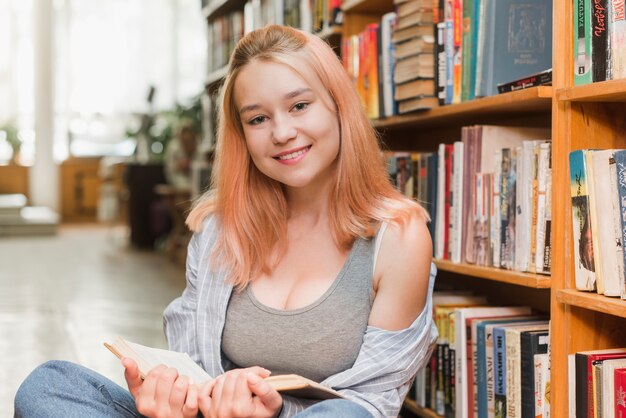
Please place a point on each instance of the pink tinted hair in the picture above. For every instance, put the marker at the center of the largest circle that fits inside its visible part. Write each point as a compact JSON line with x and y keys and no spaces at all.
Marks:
{"x":251,"y":208}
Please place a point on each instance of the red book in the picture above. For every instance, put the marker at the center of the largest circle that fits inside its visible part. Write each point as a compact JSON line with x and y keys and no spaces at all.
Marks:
{"x":620,"y":393}
{"x":584,"y":377}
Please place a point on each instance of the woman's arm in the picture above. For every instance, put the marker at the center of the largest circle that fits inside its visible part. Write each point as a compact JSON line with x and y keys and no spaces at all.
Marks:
{"x":401,"y":334}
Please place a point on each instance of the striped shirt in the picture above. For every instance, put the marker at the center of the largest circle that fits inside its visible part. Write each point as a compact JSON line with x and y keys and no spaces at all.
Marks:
{"x":379,"y":378}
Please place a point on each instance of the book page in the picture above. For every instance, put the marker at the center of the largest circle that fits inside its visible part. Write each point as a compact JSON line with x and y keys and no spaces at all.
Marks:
{"x":148,"y":358}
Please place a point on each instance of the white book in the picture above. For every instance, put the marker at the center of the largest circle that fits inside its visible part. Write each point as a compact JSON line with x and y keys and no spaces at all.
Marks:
{"x":543,"y":172}
{"x":460,"y":347}
{"x":495,"y":209}
{"x":608,"y":385}
{"x":440,"y":221}
{"x":593,"y":216}
{"x":617,"y":225}
{"x":522,"y":209}
{"x":542,"y":379}
{"x":571,"y":384}
{"x":607,"y":264}
{"x":456,"y":232}
{"x":306,"y":16}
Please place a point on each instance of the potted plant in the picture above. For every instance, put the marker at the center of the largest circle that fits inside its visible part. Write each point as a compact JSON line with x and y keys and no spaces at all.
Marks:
{"x":12,"y":137}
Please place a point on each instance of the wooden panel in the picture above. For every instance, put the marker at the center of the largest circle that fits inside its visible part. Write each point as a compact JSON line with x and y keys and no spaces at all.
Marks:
{"x":593,"y":302}
{"x":606,"y":91}
{"x":378,"y":7}
{"x":80,"y":189}
{"x":505,"y":276}
{"x":14,"y":179}
{"x":357,"y":23}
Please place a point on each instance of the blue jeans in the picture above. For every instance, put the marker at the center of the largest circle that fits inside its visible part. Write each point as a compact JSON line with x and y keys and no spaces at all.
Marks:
{"x":63,"y":389}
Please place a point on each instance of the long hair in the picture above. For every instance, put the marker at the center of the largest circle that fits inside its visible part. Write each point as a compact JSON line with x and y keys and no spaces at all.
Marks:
{"x":251,"y":207}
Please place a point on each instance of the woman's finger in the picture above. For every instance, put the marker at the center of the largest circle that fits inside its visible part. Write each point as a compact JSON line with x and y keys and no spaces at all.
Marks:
{"x":178,"y":394}
{"x":164,"y":386}
{"x":190,"y":408}
{"x":132,"y":376}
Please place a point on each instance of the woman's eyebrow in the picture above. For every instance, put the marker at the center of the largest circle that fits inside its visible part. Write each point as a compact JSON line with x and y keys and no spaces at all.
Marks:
{"x":287,"y":96}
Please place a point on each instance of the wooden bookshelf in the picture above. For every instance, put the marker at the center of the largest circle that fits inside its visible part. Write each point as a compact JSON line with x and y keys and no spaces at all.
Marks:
{"x":378,"y":7}
{"x":592,"y":301}
{"x":532,"y":100}
{"x":606,"y":91}
{"x":412,"y":407}
{"x":536,"y":281}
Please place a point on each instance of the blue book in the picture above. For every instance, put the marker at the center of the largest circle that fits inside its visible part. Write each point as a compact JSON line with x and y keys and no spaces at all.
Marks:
{"x":499,"y":371}
{"x":483,"y":369}
{"x":449,"y":48}
{"x":517,"y":42}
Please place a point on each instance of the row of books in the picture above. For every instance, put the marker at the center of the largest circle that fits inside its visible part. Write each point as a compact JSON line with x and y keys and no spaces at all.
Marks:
{"x":489,"y":361}
{"x":599,"y":226}
{"x":309,"y":15}
{"x":600,"y":40}
{"x":597,"y":383}
{"x":483,"y":43}
{"x":488,"y":194}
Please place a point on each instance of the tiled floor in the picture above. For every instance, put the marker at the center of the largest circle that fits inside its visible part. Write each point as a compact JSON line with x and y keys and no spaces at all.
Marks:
{"x":61,"y":297}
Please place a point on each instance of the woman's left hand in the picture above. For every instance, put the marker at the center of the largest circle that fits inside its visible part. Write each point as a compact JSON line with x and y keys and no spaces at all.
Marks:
{"x":240,"y":393}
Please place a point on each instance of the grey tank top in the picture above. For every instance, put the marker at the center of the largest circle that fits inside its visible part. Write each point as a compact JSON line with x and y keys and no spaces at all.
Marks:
{"x":316,"y":341}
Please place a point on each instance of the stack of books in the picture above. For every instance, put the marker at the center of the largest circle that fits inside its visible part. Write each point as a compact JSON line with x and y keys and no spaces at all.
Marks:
{"x":413,"y":42}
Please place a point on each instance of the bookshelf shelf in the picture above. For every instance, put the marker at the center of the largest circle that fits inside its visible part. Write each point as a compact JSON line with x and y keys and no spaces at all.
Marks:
{"x":532,"y":100}
{"x":536,"y":281}
{"x":592,"y":301}
{"x":378,"y":7}
{"x":411,"y":406}
{"x":605,"y":91}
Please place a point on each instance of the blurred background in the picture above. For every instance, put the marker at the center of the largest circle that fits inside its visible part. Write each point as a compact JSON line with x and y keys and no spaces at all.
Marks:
{"x":104,"y":142}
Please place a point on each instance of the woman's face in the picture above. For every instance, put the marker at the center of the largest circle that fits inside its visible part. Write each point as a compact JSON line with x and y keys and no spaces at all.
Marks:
{"x":291,"y":132}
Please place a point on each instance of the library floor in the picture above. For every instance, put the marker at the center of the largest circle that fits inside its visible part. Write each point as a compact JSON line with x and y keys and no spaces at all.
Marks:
{"x":62,"y":296}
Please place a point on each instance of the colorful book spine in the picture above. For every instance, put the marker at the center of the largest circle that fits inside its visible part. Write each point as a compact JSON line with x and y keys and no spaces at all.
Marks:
{"x":449,"y":48}
{"x":620,"y":393}
{"x":543,"y":195}
{"x":499,"y":371}
{"x":599,"y":39}
{"x":507,"y":209}
{"x":441,"y":63}
{"x":467,"y":41}
{"x":620,"y":167}
{"x":582,"y":43}
{"x":457,"y":11}
{"x":617,"y":39}
{"x":581,"y":222}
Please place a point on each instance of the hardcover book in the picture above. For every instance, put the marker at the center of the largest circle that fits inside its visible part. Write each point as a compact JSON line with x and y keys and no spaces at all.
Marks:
{"x":148,"y":358}
{"x":517,"y":42}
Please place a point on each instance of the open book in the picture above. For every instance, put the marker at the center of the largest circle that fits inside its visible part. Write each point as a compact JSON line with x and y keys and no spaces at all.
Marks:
{"x":147,"y":358}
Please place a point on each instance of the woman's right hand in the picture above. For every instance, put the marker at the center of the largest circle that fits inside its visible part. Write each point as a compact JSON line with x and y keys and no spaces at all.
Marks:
{"x":163,"y":393}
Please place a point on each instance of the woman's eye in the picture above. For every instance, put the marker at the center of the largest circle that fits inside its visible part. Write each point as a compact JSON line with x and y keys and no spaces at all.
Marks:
{"x":257,"y":120}
{"x":300,"y":106}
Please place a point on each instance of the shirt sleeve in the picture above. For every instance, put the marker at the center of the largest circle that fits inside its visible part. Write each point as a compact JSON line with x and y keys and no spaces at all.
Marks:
{"x":388,"y":362}
{"x":179,"y":318}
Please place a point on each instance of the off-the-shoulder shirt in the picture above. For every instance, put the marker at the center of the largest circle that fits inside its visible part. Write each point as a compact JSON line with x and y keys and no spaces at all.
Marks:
{"x":379,"y":379}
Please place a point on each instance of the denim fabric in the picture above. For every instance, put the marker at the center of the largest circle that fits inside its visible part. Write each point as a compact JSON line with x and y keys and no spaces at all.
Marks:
{"x":64,"y":389}
{"x":335,"y":408}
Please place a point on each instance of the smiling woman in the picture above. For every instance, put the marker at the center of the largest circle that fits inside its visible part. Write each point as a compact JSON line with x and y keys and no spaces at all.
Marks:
{"x":304,"y":259}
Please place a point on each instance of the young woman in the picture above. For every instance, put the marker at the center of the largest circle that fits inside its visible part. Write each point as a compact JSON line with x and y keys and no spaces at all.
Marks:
{"x":304,"y":258}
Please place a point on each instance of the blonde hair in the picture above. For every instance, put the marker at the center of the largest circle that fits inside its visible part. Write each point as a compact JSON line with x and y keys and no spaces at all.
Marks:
{"x":251,"y":207}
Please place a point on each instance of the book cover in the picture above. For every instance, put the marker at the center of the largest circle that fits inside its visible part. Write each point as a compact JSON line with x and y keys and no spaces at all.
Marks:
{"x":457,"y":54}
{"x":496,"y":222}
{"x":582,"y":43}
{"x":457,"y":219}
{"x":620,"y":162}
{"x":517,"y":42}
{"x":449,"y":49}
{"x":617,"y":224}
{"x":387,"y":63}
{"x":466,"y":52}
{"x":370,"y":77}
{"x":609,"y":269}
{"x":539,"y":79}
{"x":542,"y":385}
{"x":440,"y":220}
{"x":581,"y":223}
{"x":599,"y":39}
{"x":617,"y":39}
